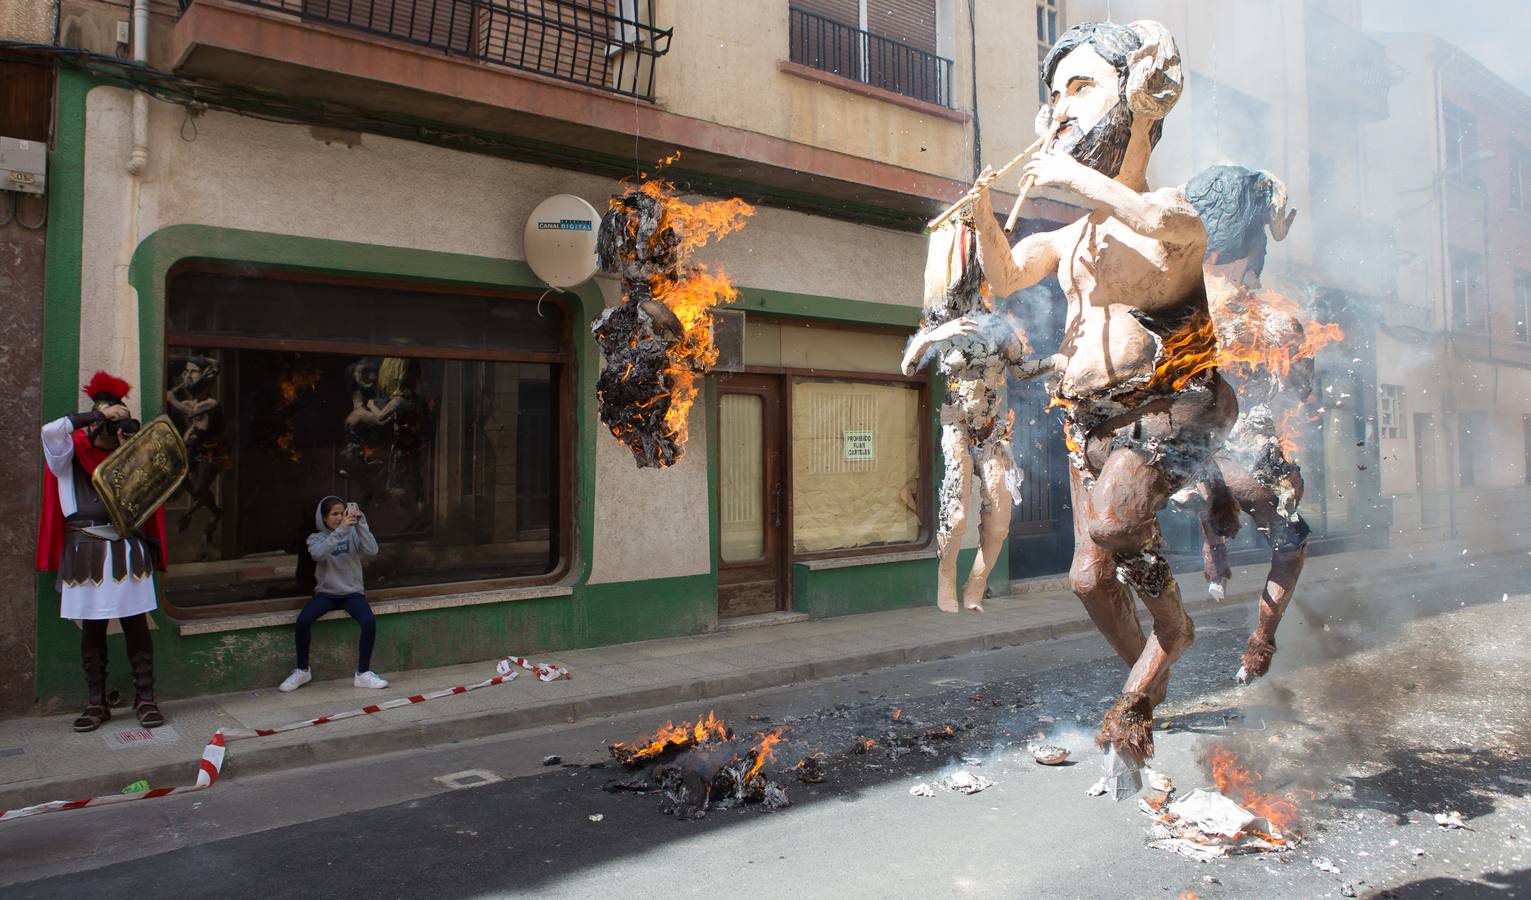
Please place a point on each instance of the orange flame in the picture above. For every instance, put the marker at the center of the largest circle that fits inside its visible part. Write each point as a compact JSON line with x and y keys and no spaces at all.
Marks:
{"x":669,"y":735}
{"x":1267,"y":332}
{"x":697,"y":291}
{"x":1184,"y":355}
{"x":764,"y":751}
{"x":1243,"y":787}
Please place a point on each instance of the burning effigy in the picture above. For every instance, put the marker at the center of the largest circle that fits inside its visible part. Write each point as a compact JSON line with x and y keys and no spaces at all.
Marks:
{"x":976,"y":347}
{"x":697,"y":766}
{"x":1266,"y":348}
{"x":658,"y":340}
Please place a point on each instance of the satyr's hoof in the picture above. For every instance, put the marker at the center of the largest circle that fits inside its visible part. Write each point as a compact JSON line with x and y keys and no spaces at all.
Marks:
{"x":946,"y":605}
{"x":1128,"y":728}
{"x":1257,"y":659}
{"x":1217,"y":591}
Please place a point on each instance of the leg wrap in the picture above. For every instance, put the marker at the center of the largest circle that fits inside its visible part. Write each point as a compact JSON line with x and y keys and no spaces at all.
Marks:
{"x":1289,"y":535}
{"x":1146,"y":572}
{"x":1129,"y":727}
{"x":1258,"y":655}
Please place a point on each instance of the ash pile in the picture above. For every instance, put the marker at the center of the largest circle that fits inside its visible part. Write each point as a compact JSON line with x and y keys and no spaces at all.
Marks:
{"x":700,"y":767}
{"x":659,"y":339}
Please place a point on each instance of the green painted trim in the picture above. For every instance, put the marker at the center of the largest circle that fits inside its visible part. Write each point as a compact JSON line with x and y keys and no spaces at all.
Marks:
{"x":811,"y":306}
{"x":58,"y":660}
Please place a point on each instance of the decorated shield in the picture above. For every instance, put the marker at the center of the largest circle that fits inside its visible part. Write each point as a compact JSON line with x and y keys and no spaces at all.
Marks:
{"x":141,"y":474}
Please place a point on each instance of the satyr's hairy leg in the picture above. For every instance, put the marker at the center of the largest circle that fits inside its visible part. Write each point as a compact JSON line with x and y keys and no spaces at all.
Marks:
{"x":1127,"y":494}
{"x":956,"y":485}
{"x":1092,"y":578}
{"x":993,"y":528}
{"x":1289,"y":551}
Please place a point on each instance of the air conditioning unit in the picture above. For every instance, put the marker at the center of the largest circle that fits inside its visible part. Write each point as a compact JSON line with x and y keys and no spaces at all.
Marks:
{"x":23,"y":165}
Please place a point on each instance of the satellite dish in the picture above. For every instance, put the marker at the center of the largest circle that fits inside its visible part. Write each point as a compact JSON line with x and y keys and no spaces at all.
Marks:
{"x":560,"y":240}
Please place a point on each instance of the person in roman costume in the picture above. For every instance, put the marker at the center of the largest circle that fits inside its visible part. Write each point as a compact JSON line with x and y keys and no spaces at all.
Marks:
{"x":102,"y":575}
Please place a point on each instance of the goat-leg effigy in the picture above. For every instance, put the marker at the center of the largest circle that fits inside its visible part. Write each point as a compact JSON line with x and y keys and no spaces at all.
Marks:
{"x":976,"y":348}
{"x":1267,"y":349}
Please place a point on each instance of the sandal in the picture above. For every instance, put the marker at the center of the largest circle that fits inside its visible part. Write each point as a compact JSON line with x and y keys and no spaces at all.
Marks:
{"x":149,"y":715}
{"x":92,"y":718}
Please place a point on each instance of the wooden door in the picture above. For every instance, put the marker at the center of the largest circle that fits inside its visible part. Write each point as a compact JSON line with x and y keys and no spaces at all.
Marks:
{"x":752,"y":544}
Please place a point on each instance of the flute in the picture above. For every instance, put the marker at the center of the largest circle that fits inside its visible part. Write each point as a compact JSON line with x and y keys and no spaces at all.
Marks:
{"x":972,"y":193}
{"x":1026,"y":185}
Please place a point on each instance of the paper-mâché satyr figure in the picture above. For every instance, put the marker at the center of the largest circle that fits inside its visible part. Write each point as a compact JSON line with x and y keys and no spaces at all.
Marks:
{"x":1143,"y":406}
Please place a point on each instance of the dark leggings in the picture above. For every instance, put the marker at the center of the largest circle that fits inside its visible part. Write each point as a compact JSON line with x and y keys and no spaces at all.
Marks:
{"x":356,"y":606}
{"x":135,"y":630}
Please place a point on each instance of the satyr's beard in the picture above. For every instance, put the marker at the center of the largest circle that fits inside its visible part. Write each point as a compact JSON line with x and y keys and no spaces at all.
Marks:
{"x":1104,"y":146}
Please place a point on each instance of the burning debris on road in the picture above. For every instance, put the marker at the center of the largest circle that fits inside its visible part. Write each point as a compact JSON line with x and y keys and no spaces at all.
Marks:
{"x":659,"y":338}
{"x":1239,"y":817}
{"x":701,"y":766}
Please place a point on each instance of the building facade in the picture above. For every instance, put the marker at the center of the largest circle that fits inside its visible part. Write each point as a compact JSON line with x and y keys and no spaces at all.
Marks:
{"x":1455,"y":166}
{"x":298,"y":231}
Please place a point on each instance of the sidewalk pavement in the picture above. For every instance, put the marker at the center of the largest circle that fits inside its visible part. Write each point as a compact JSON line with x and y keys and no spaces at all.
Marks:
{"x":42,"y":759}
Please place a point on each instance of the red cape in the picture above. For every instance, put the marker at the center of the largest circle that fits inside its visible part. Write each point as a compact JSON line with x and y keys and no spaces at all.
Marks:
{"x":50,"y":528}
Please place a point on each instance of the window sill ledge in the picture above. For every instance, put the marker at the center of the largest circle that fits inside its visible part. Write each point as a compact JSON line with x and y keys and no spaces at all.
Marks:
{"x":869,"y":559}
{"x":866,"y":90}
{"x":381,"y":608}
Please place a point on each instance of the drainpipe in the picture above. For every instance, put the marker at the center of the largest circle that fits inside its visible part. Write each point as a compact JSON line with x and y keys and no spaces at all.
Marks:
{"x":1449,"y":395}
{"x":140,"y":158}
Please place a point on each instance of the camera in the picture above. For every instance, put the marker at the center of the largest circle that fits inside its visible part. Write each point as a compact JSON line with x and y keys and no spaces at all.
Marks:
{"x":126,"y":426}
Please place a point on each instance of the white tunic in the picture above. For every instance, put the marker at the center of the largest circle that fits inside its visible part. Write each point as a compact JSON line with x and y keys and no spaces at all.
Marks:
{"x":109,"y":599}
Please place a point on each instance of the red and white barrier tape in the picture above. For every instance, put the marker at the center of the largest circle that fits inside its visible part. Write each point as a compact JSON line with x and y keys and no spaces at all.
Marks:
{"x":211,"y":764}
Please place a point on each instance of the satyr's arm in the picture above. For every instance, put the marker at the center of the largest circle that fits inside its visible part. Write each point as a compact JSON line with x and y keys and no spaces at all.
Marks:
{"x":1162,"y":215}
{"x":1009,"y":270}
{"x":926,"y":338}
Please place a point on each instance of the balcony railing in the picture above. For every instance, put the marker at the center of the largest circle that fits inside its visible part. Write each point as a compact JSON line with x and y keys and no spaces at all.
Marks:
{"x":872,"y":59}
{"x":605,"y":44}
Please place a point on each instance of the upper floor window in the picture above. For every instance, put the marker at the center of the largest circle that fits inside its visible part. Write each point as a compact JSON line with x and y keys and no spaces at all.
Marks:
{"x":1467,"y":302}
{"x":1520,"y":176}
{"x":889,"y":44}
{"x":1461,"y":137}
{"x":1047,"y":35}
{"x":1390,"y":413}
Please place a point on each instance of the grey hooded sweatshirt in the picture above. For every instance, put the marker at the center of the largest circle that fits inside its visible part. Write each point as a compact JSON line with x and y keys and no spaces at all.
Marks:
{"x":337,"y":554}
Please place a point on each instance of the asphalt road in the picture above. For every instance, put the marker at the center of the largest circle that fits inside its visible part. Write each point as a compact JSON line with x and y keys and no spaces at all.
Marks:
{"x":1383,"y":710}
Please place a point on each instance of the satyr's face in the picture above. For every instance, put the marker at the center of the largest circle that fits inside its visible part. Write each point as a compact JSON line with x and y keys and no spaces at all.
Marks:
{"x":1091,"y":122}
{"x":191,"y":375}
{"x":1084,"y":89}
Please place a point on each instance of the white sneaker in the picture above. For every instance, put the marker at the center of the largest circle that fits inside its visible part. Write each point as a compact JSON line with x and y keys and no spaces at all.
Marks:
{"x":297,"y":679}
{"x":369,"y":679}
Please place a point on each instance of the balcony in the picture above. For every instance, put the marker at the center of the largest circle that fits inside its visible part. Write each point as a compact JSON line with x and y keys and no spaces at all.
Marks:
{"x":870,"y":59}
{"x":1352,"y":68}
{"x":584,"y":42}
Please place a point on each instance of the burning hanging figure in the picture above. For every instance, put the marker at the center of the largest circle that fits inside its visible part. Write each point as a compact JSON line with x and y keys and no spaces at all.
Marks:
{"x":659,"y":338}
{"x":1143,"y":406}
{"x":1267,"y":350}
{"x":976,"y":348}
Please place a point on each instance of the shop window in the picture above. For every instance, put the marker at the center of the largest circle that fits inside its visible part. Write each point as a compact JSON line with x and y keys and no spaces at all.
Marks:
{"x":439,"y":413}
{"x":857,"y":459}
{"x":1472,"y":445}
{"x":1390,"y":411}
{"x":1047,"y":35}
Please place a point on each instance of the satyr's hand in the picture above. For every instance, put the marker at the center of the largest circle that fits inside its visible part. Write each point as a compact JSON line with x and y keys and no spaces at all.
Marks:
{"x":982,"y":204}
{"x":966,"y":325}
{"x":1057,"y":170}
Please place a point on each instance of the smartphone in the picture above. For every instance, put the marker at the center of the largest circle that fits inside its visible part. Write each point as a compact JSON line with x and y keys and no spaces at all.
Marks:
{"x":352,"y":509}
